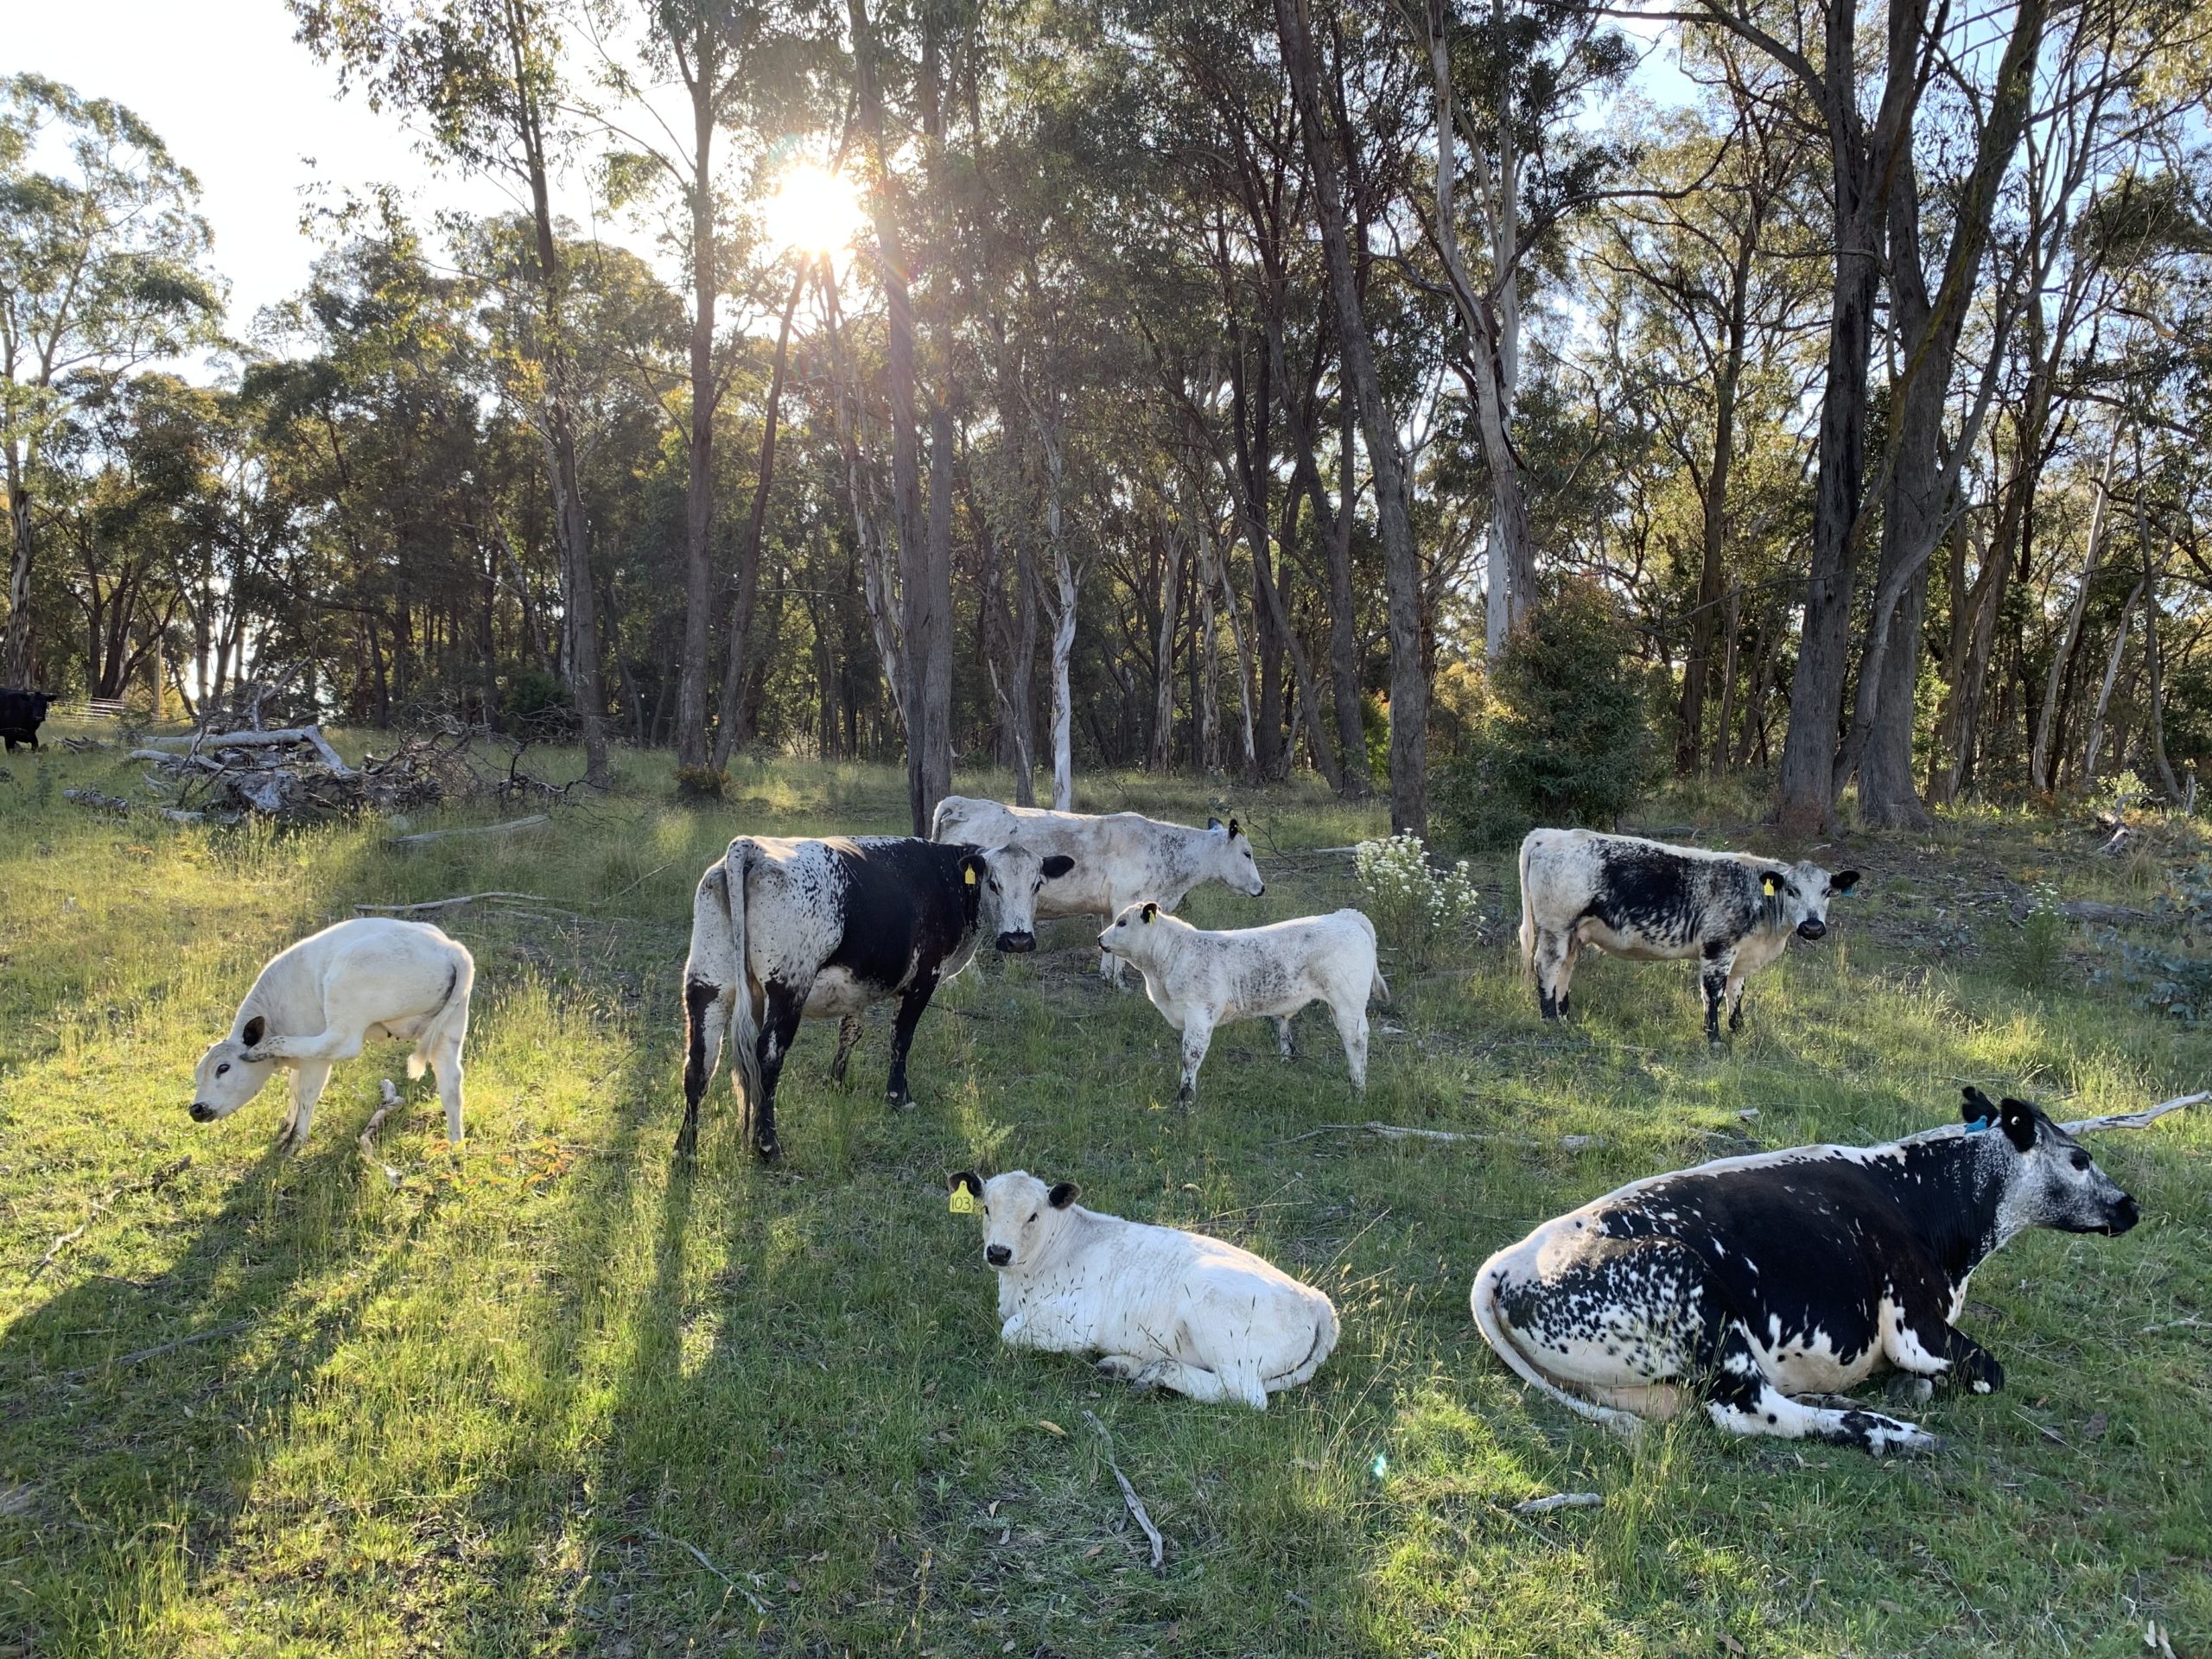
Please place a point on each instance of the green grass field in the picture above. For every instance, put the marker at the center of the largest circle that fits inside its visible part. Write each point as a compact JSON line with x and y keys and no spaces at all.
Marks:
{"x":556,"y":1395}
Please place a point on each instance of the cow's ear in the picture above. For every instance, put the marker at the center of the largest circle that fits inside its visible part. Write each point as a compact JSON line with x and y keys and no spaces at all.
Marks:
{"x":1057,"y":866}
{"x":1234,"y":828}
{"x":1151,"y":909}
{"x":964,"y":1180}
{"x":1843,"y":882}
{"x":1214,"y":827}
{"x":2018,"y":1119}
{"x":1063,"y":1194}
{"x":1977,"y":1109}
{"x":255,"y":1029}
{"x":971,"y":870}
{"x":1770,"y":884}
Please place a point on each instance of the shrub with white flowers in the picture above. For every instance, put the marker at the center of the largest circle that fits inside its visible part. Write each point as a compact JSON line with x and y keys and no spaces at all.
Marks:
{"x":1417,"y":909}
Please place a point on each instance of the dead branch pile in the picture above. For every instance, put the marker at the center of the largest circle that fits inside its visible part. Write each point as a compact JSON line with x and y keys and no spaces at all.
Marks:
{"x":294,"y":775}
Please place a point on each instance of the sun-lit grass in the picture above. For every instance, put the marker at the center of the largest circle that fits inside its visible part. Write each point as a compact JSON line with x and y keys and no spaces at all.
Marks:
{"x":472,"y":1413}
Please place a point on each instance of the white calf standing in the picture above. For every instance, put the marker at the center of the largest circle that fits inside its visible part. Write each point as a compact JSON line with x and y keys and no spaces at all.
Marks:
{"x":1201,"y":980}
{"x":1161,"y":1307}
{"x":319,"y":1001}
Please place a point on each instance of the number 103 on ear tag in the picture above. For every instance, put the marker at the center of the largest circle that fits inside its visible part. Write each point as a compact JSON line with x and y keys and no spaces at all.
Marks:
{"x":963,"y":1203}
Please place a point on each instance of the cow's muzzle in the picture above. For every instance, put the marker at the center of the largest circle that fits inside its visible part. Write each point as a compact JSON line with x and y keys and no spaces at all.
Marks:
{"x":202,"y":1112}
{"x":1018,"y":942}
{"x":997,"y":1255}
{"x":2124,"y":1215}
{"x":1811,"y":928}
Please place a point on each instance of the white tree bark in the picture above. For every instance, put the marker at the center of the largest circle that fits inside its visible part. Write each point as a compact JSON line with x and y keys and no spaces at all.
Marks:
{"x":2039,"y":760}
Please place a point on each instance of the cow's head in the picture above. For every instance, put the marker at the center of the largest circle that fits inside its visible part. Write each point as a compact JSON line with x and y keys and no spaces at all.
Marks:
{"x":1022,"y":1216}
{"x":225,"y":1079}
{"x":2052,"y":1180}
{"x":1141,"y":933}
{"x":1801,"y":893}
{"x":40,"y":701}
{"x":1229,"y":858}
{"x":1008,"y":879}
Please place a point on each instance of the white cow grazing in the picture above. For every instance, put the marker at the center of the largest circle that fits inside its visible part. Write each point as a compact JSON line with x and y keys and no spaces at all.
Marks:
{"x":1120,"y":858}
{"x":1200,"y":979}
{"x":1161,"y":1307}
{"x":320,"y":1000}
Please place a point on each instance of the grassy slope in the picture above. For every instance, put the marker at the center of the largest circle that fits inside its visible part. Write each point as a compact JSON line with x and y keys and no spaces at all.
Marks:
{"x":474,"y":1410}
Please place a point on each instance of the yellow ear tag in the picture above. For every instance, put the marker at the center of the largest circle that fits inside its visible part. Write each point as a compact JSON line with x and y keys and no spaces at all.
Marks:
{"x":963,"y":1203}
{"x":969,"y":872}
{"x":1769,"y":885}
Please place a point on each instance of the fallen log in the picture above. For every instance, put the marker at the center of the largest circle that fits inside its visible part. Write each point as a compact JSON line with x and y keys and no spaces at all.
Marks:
{"x":94,"y":801}
{"x":1395,"y":1132}
{"x":310,"y":735}
{"x":2135,"y":1120}
{"x":453,"y":903}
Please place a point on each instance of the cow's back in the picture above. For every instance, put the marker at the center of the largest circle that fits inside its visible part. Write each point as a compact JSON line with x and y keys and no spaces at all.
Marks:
{"x":877,"y":907}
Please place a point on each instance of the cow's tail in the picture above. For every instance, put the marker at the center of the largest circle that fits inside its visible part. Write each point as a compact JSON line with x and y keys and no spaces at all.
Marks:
{"x":716,"y":986}
{"x":1378,"y":988}
{"x":1528,"y":912}
{"x":450,"y":1022}
{"x":1324,"y":1343}
{"x":1483,"y":1300}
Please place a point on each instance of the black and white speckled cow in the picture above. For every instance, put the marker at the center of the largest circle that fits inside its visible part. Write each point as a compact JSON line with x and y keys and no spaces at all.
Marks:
{"x":1651,"y":902}
{"x":1744,"y":1282}
{"x":783,"y":931}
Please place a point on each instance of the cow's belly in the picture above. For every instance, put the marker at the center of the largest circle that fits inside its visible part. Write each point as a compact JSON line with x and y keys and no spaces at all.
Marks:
{"x":1610,"y":1349}
{"x":1637,"y":947}
{"x":1817,"y":1362}
{"x":837,"y":992}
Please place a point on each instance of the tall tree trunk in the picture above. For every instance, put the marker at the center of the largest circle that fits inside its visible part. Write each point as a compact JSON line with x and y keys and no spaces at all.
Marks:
{"x":1859,"y":165}
{"x":732,"y":729}
{"x":1253,"y":425}
{"x":2104,"y":692}
{"x":2041,"y":772}
{"x":1689,"y":743}
{"x":1163,"y":660}
{"x":1401,"y":562}
{"x":17,"y":665}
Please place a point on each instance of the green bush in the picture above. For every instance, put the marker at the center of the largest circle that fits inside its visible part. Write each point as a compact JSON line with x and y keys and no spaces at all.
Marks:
{"x":1419,"y":911}
{"x":1565,"y":734}
{"x":536,"y":702}
{"x":700,"y":783}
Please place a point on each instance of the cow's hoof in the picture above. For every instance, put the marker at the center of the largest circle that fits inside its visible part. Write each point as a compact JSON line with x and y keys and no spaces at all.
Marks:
{"x":1120,"y":1368}
{"x":900,"y":1102}
{"x":1904,"y":1389}
{"x":769,"y":1151}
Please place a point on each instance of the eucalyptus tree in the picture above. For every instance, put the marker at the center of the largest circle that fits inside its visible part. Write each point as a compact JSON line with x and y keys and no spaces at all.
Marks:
{"x":487,"y":83}
{"x":103,"y":266}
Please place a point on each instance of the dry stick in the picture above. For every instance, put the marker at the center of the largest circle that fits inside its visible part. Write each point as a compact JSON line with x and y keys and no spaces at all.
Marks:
{"x":1394,"y":1132}
{"x":449,"y":904}
{"x":1129,"y":1493}
{"x":506,"y":828}
{"x":2135,"y":1120}
{"x":160,"y":1178}
{"x":699,"y":1556}
{"x":311,"y":735}
{"x":232,"y":1329}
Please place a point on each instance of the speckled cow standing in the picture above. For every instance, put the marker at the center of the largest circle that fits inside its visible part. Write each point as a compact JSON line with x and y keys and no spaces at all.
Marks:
{"x":1744,"y":1282}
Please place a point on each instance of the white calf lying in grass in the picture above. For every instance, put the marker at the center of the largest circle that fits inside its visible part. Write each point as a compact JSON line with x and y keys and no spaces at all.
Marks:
{"x":1201,"y":980}
{"x":319,"y":1001}
{"x":1162,"y":1308}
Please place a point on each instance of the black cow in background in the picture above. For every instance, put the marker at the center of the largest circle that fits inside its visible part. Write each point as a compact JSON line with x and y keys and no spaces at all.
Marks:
{"x":20,"y":714}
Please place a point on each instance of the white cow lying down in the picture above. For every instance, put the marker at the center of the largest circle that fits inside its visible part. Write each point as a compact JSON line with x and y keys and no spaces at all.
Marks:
{"x":320,"y":1000}
{"x":1200,"y":979}
{"x":1161,"y":1307}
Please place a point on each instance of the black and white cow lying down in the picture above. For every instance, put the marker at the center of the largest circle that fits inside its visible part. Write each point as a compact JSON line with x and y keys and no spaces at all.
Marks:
{"x":1744,"y":1282}
{"x":1652,"y":902}
{"x":783,"y":931}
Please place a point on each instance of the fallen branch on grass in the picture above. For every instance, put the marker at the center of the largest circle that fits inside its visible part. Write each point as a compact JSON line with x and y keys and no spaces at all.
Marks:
{"x":1395,"y":1132}
{"x":700,"y":1556}
{"x":1129,"y":1493}
{"x":506,"y":828}
{"x":310,"y":735}
{"x":2135,"y":1120}
{"x":453,"y":904}
{"x":1562,"y":1500}
{"x":92,"y":800}
{"x":153,"y":1183}
{"x":230,"y":1330}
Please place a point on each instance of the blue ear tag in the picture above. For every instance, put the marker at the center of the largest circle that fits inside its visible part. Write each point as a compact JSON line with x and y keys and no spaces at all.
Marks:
{"x":1978,"y":1126}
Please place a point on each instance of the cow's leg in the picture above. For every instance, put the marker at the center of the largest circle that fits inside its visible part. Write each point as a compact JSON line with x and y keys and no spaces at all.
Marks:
{"x":912,"y":1004}
{"x":779,"y":1029}
{"x":1192,"y":1382}
{"x":1712,"y":979}
{"x":332,"y":1045}
{"x":308,"y":1082}
{"x":1198,"y":1037}
{"x":1930,"y":1346}
{"x":1284,"y":1045}
{"x":1737,"y":980}
{"x":445,"y":1061}
{"x":1351,"y":1026}
{"x":1741,"y":1398}
{"x":1563,"y":989}
{"x":706,"y":1011}
{"x":1550,"y":961}
{"x":848,"y":1039}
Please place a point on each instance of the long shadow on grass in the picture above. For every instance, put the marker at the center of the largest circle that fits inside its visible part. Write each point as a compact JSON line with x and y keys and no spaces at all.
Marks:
{"x":142,"y":1468}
